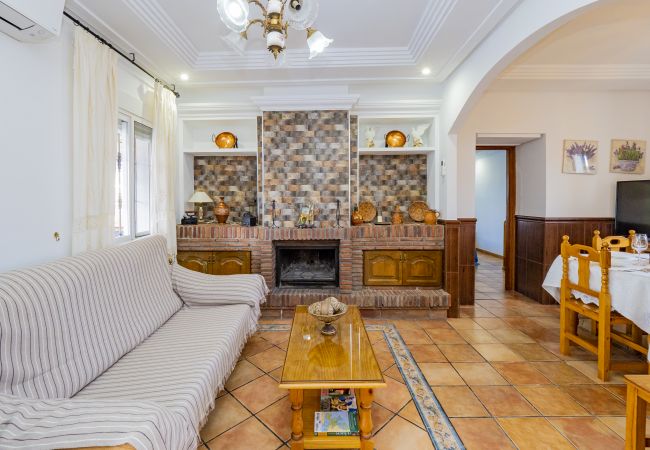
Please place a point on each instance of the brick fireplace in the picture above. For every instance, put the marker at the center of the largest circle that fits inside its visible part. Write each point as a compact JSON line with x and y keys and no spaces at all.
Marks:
{"x":263,"y":243}
{"x":306,"y":264}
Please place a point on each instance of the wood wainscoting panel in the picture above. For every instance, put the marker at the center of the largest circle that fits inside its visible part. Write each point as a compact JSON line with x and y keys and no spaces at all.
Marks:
{"x":538,"y":242}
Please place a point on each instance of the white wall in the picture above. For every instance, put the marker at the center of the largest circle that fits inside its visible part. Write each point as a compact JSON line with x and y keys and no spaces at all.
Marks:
{"x":531,"y":181}
{"x":491,"y":189}
{"x":36,"y":145}
{"x":560,"y":115}
{"x":35,"y":150}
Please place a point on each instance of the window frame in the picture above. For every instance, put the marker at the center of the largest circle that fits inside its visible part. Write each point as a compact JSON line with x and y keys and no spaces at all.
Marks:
{"x":131,"y":118}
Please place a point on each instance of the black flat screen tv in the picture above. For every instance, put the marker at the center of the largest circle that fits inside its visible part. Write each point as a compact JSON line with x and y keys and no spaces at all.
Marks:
{"x":633,"y":207}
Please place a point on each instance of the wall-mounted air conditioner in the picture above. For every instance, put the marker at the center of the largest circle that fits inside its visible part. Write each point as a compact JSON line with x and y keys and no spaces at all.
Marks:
{"x":31,"y":20}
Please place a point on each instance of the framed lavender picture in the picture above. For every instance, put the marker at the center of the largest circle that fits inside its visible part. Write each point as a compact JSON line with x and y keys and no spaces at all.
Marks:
{"x":627,"y":156}
{"x":580,"y":156}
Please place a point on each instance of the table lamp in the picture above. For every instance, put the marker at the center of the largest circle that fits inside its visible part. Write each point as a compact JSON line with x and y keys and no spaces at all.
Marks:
{"x":200,"y":197}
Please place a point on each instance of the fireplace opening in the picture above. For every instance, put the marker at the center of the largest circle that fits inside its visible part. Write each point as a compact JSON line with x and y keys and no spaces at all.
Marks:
{"x":307,"y":264}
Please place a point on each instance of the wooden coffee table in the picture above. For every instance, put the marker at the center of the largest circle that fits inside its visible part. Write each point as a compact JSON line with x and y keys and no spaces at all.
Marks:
{"x":315,"y":362}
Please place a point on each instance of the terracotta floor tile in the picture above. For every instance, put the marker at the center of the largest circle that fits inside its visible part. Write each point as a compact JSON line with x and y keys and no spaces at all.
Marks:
{"x":275,"y":337}
{"x":534,"y":433}
{"x":464,"y":324}
{"x":426,"y":353}
{"x":278,"y":418}
{"x":433,"y":323}
{"x":520,"y":373}
{"x":380,"y":346}
{"x":477,"y":336}
{"x":245,"y":436}
{"x":490,"y":323}
{"x":375,"y":336}
{"x":403,"y":325}
{"x":547,"y":322}
{"x":276,"y":374}
{"x":394,"y":373}
{"x":619,"y":390}
{"x":497,"y":352}
{"x":401,"y":434}
{"x":254,"y":347}
{"x":481,"y":434}
{"x":259,"y":394}
{"x":243,"y":373}
{"x":588,"y":433}
{"x":617,"y":424}
{"x":552,"y":401}
{"x":474,"y":312}
{"x":533,"y":352}
{"x":384,"y":359}
{"x":444,"y":336}
{"x":418,"y":336}
{"x":597,"y":400}
{"x":380,"y":417}
{"x":479,"y":374}
{"x":268,"y":359}
{"x":561,"y":373}
{"x":511,"y":336}
{"x":410,"y":413}
{"x":227,"y":413}
{"x":394,"y":396}
{"x":460,"y":353}
{"x":459,"y":401}
{"x":502,"y":401}
{"x":441,"y":374}
{"x":590,"y":370}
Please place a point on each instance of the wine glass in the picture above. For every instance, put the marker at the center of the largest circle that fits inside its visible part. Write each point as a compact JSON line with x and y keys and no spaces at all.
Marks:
{"x":640,"y":244}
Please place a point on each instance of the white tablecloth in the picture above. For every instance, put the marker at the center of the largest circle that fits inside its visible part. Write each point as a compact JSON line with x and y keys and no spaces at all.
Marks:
{"x":629,"y":285}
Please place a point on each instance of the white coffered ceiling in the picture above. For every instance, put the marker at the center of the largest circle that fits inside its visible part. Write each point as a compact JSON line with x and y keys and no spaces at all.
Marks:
{"x":379,"y":40}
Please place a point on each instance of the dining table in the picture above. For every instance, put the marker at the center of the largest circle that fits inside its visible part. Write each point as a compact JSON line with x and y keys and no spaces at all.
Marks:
{"x":629,"y":285}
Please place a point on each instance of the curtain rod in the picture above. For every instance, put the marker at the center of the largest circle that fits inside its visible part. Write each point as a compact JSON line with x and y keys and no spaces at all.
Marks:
{"x":131,"y":58}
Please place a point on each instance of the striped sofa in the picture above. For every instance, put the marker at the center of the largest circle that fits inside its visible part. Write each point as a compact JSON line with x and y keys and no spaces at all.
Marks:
{"x":118,"y":348}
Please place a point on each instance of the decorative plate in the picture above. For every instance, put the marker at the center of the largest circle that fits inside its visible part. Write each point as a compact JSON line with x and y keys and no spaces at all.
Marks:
{"x":417,"y":210}
{"x":368,"y":211}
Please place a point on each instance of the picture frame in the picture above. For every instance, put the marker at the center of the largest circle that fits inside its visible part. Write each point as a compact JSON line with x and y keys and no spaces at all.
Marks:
{"x":579,"y":156}
{"x":627,"y":156}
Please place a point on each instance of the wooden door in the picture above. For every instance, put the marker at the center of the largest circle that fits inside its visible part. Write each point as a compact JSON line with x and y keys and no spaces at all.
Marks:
{"x":382,"y":268}
{"x":197,"y":261}
{"x":422,"y":268}
{"x":231,"y":263}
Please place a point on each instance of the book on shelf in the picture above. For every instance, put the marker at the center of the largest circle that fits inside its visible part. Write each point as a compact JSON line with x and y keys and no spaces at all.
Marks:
{"x":337,"y":400}
{"x":336,"y":423}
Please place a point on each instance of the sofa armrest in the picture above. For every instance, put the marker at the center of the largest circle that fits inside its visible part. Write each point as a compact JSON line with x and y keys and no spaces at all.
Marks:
{"x":76,"y":423}
{"x":200,"y":289}
{"x":114,"y":447}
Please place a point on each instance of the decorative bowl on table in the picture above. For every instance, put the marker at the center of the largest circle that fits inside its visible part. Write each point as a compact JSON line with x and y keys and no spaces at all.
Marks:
{"x":328,"y":311}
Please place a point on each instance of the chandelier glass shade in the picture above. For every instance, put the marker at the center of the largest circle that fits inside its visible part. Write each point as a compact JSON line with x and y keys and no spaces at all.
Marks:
{"x":277,"y":17}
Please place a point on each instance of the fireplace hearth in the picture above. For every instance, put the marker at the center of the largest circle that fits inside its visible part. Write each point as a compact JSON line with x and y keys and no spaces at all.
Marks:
{"x":307,"y":264}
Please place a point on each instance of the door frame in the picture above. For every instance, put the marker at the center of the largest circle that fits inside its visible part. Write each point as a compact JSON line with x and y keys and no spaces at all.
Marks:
{"x":509,"y":259}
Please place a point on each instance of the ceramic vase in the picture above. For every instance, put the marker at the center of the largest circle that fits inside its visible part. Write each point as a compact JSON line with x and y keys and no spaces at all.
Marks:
{"x":397,"y":217}
{"x":357,"y":218}
{"x":221,"y":211}
{"x":431,"y":217}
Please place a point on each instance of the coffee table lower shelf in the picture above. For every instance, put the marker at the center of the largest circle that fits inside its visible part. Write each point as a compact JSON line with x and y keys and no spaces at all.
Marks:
{"x":311,"y":404}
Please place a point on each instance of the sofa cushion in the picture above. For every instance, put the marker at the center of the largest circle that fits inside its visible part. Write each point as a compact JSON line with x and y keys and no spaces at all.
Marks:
{"x":200,"y":289}
{"x":64,"y":323}
{"x":184,"y":364}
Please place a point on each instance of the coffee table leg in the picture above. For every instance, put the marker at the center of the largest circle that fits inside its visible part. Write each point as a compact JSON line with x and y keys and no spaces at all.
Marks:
{"x":296,"y":397}
{"x":365,"y":418}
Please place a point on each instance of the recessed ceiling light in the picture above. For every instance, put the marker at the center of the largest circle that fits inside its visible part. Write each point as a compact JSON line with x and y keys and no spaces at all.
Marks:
{"x":185,"y":77}
{"x":426,"y":71}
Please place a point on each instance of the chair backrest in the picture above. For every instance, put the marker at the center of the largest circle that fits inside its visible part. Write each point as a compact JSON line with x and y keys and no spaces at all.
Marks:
{"x":616,"y":243}
{"x":585,"y":256}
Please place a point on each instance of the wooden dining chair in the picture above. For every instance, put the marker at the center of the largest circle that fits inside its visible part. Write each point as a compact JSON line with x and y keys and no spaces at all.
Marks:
{"x":616,"y":243}
{"x":571,"y":307}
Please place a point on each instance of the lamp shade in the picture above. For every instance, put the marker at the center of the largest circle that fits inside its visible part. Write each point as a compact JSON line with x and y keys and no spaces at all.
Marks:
{"x":236,"y":42}
{"x":317,"y":42}
{"x":234,"y":14}
{"x":200,"y":197}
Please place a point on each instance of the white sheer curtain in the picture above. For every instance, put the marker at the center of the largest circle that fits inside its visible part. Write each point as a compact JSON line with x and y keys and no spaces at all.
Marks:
{"x":163,"y":217}
{"x":94,"y":145}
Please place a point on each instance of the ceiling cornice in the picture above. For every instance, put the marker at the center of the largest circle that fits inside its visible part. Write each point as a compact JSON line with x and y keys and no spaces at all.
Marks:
{"x":398,"y":108}
{"x":577,"y":72}
{"x":433,"y":17}
{"x":305,"y":102}
{"x":152,"y":14}
{"x":215,"y":110}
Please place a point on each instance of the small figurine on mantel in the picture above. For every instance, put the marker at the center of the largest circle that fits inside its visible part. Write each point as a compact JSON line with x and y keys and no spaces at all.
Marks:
{"x":417,"y":133}
{"x":370,"y":137}
{"x":306,"y":216}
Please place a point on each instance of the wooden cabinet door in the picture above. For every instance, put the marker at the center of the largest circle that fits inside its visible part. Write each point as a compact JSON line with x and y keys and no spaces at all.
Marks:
{"x":422,"y":268}
{"x":231,"y":263}
{"x":382,"y":268}
{"x":197,"y":261}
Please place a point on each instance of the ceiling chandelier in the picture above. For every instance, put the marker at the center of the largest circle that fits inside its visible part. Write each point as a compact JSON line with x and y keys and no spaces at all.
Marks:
{"x":277,"y":17}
